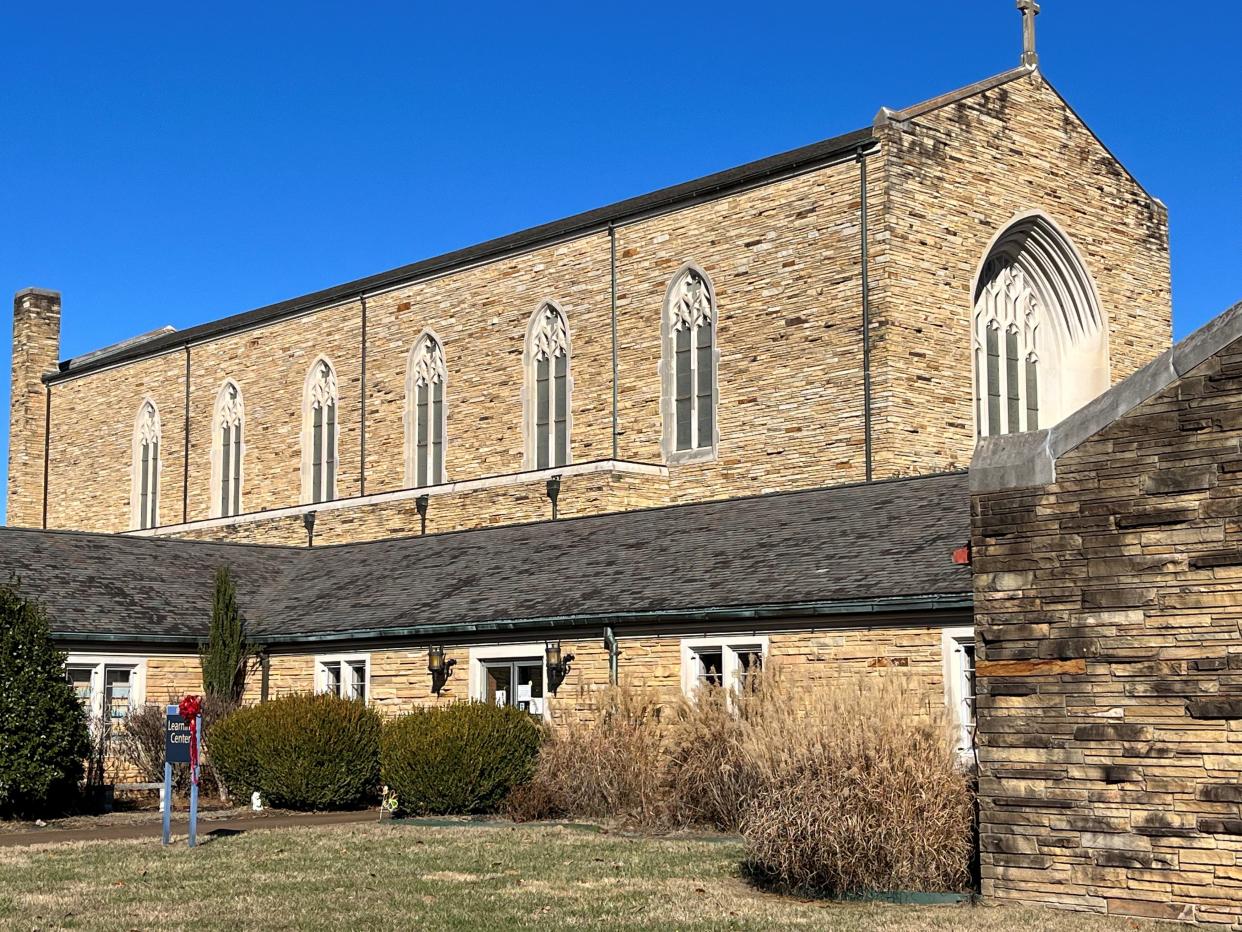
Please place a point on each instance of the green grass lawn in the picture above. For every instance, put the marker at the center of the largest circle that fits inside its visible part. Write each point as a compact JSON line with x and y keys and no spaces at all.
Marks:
{"x":406,"y":876}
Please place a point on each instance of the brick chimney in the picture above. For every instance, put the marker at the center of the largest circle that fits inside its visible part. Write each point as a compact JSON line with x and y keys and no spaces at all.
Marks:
{"x":36,"y":350}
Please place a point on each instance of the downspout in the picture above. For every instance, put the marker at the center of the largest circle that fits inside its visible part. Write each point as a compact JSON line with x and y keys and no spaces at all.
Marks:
{"x":265,"y":674}
{"x":610,"y":642}
{"x":612,"y":264}
{"x":185,"y":452}
{"x":362,"y":407}
{"x":866,"y":312}
{"x":47,"y":448}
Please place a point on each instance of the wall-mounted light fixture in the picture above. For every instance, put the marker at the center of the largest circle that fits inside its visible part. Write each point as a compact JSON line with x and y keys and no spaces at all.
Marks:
{"x":308,"y":522}
{"x":558,"y":665}
{"x":420,"y":505}
{"x":554,"y":492}
{"x":439,"y":668}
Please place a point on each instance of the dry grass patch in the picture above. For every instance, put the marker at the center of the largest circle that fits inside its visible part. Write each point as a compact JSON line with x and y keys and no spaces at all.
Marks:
{"x":401,"y":876}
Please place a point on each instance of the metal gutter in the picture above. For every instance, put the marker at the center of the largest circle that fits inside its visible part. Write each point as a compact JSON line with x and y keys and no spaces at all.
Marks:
{"x":612,"y":272}
{"x":866,"y":311}
{"x":362,"y":405}
{"x":857,"y":607}
{"x":47,"y":450}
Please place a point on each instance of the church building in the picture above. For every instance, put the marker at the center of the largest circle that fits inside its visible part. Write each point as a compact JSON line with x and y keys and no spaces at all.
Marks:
{"x":676,"y":437}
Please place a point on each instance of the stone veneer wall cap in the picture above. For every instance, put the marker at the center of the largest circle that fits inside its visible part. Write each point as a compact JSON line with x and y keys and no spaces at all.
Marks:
{"x":45,"y":292}
{"x":887,"y":115}
{"x":1020,"y":460}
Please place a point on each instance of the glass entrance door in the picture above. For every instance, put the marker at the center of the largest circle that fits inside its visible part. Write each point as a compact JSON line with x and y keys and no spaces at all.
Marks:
{"x":518,"y":683}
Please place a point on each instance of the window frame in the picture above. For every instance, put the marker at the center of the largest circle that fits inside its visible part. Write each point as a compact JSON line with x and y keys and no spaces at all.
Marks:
{"x":701,"y":452}
{"x":952,"y":644}
{"x":99,"y":664}
{"x":323,"y":661}
{"x":140,"y":515}
{"x":523,"y":654}
{"x":333,"y":394}
{"x":237,"y":469}
{"x":530,"y":400}
{"x":730,"y":646}
{"x":412,"y":433}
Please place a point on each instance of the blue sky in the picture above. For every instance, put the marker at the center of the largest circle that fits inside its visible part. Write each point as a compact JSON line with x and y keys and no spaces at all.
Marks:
{"x":170,"y":165}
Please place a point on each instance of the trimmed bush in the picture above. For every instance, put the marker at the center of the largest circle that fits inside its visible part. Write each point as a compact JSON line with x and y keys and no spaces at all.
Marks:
{"x":305,"y":751}
{"x":458,"y":759}
{"x":44,"y":740}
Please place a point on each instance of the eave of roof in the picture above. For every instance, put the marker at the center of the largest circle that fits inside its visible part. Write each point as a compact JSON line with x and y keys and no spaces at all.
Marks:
{"x":708,"y":187}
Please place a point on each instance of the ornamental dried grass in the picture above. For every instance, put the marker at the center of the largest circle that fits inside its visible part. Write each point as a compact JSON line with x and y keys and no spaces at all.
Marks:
{"x":841,"y":786}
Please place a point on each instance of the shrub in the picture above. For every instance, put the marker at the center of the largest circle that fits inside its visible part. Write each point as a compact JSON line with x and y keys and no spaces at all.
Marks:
{"x":304,"y":751}
{"x":608,"y":766}
{"x":140,"y":744}
{"x":462,"y":758}
{"x":43,"y":733}
{"x":225,"y":657}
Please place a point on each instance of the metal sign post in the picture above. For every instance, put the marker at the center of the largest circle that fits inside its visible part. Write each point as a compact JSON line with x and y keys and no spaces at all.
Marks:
{"x":198,"y":731}
{"x":176,"y":751}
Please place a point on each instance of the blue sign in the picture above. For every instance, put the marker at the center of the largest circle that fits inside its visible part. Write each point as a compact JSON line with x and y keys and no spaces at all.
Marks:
{"x":176,"y":738}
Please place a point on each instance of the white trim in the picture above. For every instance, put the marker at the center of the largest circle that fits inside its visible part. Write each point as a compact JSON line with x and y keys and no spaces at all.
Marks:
{"x":307,"y":433}
{"x":951,"y":642}
{"x":728,"y":645}
{"x":321,"y":680}
{"x":377,"y":498}
{"x":530,"y":457}
{"x":217,"y":452}
{"x":135,"y":467}
{"x":411,"y":412}
{"x":526,"y":651}
{"x":667,"y":369}
{"x":98,"y":662}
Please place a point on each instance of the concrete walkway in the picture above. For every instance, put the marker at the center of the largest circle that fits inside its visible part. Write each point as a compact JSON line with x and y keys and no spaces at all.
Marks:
{"x":206,"y":827}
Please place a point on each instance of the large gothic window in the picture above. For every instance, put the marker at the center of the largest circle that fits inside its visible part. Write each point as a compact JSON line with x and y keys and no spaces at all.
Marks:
{"x":689,"y":366}
{"x":145,"y":494}
{"x":226,"y":451}
{"x":1040,"y":341}
{"x":319,"y":434}
{"x":425,"y":413}
{"x":548,"y":389}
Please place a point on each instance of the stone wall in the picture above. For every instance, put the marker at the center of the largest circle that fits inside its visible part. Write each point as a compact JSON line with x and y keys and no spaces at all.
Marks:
{"x":36,"y":343}
{"x":954,"y":177}
{"x":1109,"y":624}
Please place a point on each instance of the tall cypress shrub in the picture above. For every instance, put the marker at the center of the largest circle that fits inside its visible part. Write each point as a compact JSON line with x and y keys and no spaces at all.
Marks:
{"x":225,"y":656}
{"x":44,"y":739}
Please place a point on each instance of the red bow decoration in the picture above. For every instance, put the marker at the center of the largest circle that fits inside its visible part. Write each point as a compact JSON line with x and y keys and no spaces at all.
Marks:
{"x":190,"y":708}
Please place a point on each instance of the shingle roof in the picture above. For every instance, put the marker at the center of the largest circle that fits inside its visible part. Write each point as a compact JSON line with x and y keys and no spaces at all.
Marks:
{"x":709,"y":186}
{"x":850,"y":544}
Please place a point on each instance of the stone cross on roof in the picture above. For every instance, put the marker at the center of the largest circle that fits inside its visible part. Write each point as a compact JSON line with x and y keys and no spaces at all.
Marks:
{"x":1029,"y":10}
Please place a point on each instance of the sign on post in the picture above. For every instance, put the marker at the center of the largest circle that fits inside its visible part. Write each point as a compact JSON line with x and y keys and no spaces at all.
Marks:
{"x":179,"y":739}
{"x":176,"y":738}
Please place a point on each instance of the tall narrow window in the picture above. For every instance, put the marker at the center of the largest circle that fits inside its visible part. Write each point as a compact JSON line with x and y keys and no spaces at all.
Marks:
{"x":689,"y":367}
{"x":145,"y":493}
{"x":227,"y":449}
{"x":425,"y":413}
{"x":1040,"y":340}
{"x":548,"y":389}
{"x":319,"y":434}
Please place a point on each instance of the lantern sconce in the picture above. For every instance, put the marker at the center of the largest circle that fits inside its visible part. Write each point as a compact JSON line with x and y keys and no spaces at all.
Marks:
{"x":439,"y":668}
{"x":554,"y":493}
{"x":558,"y":665}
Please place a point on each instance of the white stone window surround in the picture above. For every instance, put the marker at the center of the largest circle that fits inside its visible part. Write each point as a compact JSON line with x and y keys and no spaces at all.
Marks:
{"x":323,"y":680}
{"x":729,"y":645}
{"x":147,"y":431}
{"x":98,"y":664}
{"x":1033,"y":283}
{"x":321,"y":388}
{"x":958,"y":668}
{"x":700,"y":452}
{"x":547,"y":333}
{"x":426,"y":365}
{"x":230,"y":409}
{"x":527,"y":651}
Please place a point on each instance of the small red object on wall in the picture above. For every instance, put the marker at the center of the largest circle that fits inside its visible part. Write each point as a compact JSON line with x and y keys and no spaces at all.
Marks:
{"x":190,"y":708}
{"x":961,"y":556}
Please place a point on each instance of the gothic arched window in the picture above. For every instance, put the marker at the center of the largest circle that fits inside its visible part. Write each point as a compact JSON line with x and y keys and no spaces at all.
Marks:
{"x":548,"y":389}
{"x":319,"y":434}
{"x":145,"y":494}
{"x":688,"y":365}
{"x":425,"y":413}
{"x":1040,"y":342}
{"x":227,"y":448}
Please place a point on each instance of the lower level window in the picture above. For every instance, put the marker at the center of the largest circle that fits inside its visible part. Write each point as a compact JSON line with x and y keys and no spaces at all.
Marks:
{"x":720,"y":662}
{"x":958,"y":645}
{"x":518,"y":683}
{"x":345,"y":676}
{"x":108,"y":688}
